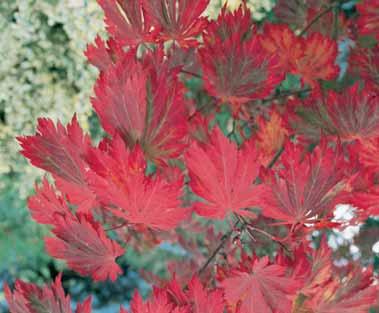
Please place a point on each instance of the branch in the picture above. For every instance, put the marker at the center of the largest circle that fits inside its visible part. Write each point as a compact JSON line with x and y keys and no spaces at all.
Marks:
{"x":223,"y":241}
{"x":191,"y":73}
{"x":315,"y":19}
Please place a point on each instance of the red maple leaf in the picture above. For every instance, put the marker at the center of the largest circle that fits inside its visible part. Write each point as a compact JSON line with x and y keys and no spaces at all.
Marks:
{"x":229,"y":24}
{"x":237,"y":68}
{"x":223,"y":175}
{"x":349,"y":115}
{"x":61,"y":151}
{"x":365,"y":64}
{"x":263,"y":287}
{"x":365,"y":193}
{"x":178,"y":20}
{"x":84,"y":245}
{"x":158,"y":303}
{"x":203,"y":300}
{"x":304,"y":187}
{"x":144,"y":104}
{"x":30,"y":298}
{"x":46,"y":203}
{"x":318,"y":60}
{"x":281,"y":40}
{"x":127,"y":21}
{"x":102,"y":55}
{"x":368,"y":21}
{"x":353,"y":293}
{"x":119,"y":181}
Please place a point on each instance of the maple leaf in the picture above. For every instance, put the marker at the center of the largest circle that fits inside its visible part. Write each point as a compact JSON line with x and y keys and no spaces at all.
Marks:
{"x":177,"y":20}
{"x":102,"y":55}
{"x":223,"y":175}
{"x":353,"y":293}
{"x":365,"y":63}
{"x":292,"y":12}
{"x":144,"y":104}
{"x":203,"y":300}
{"x":158,"y":303}
{"x":228,"y":24}
{"x":30,"y":298}
{"x":368,"y":153}
{"x":365,"y":194}
{"x":127,"y":21}
{"x":318,"y":60}
{"x":350,"y":115}
{"x":119,"y":181}
{"x":61,"y":152}
{"x":312,"y":57}
{"x":281,"y":40}
{"x":271,"y":136}
{"x":46,"y":203}
{"x":305,"y":186}
{"x":264,"y":288}
{"x":83,"y":244}
{"x":368,"y":21}
{"x":237,"y":72}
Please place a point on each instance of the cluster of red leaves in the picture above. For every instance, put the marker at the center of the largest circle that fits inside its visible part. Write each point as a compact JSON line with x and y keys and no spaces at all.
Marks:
{"x":163,"y":159}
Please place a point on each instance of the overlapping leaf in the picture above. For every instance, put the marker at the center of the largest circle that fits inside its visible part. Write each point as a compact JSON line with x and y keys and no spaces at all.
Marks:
{"x":119,"y":181}
{"x":237,"y":69}
{"x":61,"y":151}
{"x":305,"y":186}
{"x":144,"y":104}
{"x":368,"y":21}
{"x":263,"y":288}
{"x":178,"y":20}
{"x":30,"y":298}
{"x":223,"y":175}
{"x":83,"y":244}
{"x":127,"y":21}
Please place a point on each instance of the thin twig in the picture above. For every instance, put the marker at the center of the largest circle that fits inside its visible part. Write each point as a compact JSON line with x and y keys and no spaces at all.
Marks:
{"x":117,"y":227}
{"x":315,"y":19}
{"x":286,"y":94}
{"x":191,"y":73}
{"x":223,"y":241}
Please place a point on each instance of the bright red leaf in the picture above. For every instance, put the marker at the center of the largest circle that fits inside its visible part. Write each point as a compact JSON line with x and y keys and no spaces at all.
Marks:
{"x":30,"y":298}
{"x":84,"y":245}
{"x":46,"y":203}
{"x":102,"y":55}
{"x":263,"y":288}
{"x":61,"y":151}
{"x":223,"y":175}
{"x":122,"y":186}
{"x":127,"y":21}
{"x":178,"y":20}
{"x":304,"y":187}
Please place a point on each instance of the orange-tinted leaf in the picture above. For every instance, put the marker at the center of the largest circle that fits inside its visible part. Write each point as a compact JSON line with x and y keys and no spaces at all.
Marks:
{"x":280,"y":39}
{"x":271,"y":136}
{"x":318,"y":60}
{"x":223,"y":175}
